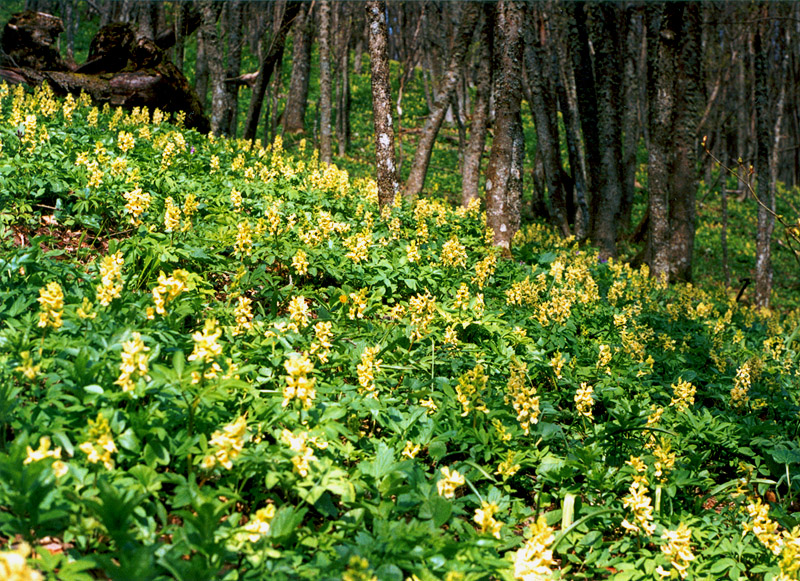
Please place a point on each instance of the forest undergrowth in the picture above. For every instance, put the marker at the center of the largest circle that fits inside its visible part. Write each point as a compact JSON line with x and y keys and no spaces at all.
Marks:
{"x":223,"y":360}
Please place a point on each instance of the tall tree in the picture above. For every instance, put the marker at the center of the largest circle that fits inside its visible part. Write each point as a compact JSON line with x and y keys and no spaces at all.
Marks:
{"x":470,"y":12}
{"x":471,"y":165}
{"x":295,"y":110}
{"x":233,"y":65}
{"x":213,"y":56}
{"x":269,"y":55}
{"x":382,"y":102}
{"x":325,"y":83}
{"x":345,"y":22}
{"x":504,"y":172}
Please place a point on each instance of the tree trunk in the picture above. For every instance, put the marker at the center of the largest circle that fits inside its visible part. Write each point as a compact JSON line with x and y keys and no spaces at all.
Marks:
{"x":543,"y":109}
{"x":630,"y":117}
{"x":295,"y":110}
{"x":382,"y":103}
{"x":422,"y":156}
{"x":213,"y":55}
{"x":201,"y":71}
{"x":605,"y":203}
{"x":233,"y":66}
{"x":343,"y":86}
{"x":471,"y":167}
{"x":325,"y":81}
{"x":684,"y":171}
{"x":148,"y":19}
{"x":503,"y":174}
{"x":270,"y":56}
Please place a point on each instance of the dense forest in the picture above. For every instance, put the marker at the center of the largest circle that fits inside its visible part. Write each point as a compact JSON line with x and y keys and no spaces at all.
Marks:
{"x":399,"y":290}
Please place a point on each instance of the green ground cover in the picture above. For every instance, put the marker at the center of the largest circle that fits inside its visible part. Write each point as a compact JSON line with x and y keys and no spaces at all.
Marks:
{"x":220,"y":360}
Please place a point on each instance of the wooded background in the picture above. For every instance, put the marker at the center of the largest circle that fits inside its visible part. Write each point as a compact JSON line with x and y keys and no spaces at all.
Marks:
{"x":630,"y":102}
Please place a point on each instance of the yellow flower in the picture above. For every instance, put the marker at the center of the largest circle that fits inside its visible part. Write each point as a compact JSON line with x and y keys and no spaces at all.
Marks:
{"x":110,"y":286}
{"x":454,"y":254}
{"x":639,"y":502}
{"x":42,"y":452}
{"x":484,"y":518}
{"x":522,"y":395}
{"x":14,"y":566}
{"x":450,"y":480}
{"x":206,"y":347}
{"x":27,"y":368}
{"x":741,"y":386}
{"x":358,"y":306}
{"x":584,"y":401}
{"x":303,"y":453}
{"x":323,"y":334}
{"x":412,"y":252}
{"x":557,"y":363}
{"x":244,"y":315}
{"x":236,"y":198}
{"x":125,"y":141}
{"x":507,"y":468}
{"x":411,"y":450}
{"x":682,"y":395}
{"x":678,"y":550}
{"x":137,"y":204}
{"x":429,"y":404}
{"x":534,"y":560}
{"x":214,"y":164}
{"x":244,"y":239}
{"x":100,"y":444}
{"x":300,"y":262}
{"x":172,"y":216}
{"x":469,"y":389}
{"x":134,"y":362}
{"x":299,"y":311}
{"x":168,"y":289}
{"x":51,"y":305}
{"x":462,"y":297}
{"x":227,"y":444}
{"x":298,"y":383}
{"x":764,"y":528}
{"x":259,"y":523}
{"x":366,"y":370}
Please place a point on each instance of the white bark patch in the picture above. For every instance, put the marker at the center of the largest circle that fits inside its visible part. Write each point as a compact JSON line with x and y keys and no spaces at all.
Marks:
{"x":488,"y":185}
{"x":503,"y":228}
{"x":374,"y":27}
{"x":383,"y":139}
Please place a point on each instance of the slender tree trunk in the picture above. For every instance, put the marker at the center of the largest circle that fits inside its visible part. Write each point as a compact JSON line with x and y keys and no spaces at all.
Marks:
{"x":343,"y":86}
{"x":201,"y":70}
{"x":148,"y":19}
{"x":270,"y":57}
{"x":630,"y":117}
{"x":471,"y":167}
{"x":295,"y":110}
{"x":503,"y":174}
{"x":661,"y":81}
{"x":382,"y":103}
{"x":422,"y":156}
{"x":233,"y":65}
{"x":543,"y":109}
{"x":684,"y":178}
{"x":325,"y":83}
{"x":213,"y":54}
{"x":605,"y":204}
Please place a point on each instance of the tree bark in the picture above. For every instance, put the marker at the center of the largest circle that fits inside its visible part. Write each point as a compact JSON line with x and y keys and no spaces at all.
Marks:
{"x":471,"y":167}
{"x":422,"y":156}
{"x":269,"y":57}
{"x":388,"y":186}
{"x":605,"y":203}
{"x":345,"y":19}
{"x":295,"y":110}
{"x":201,"y":77}
{"x":213,"y":55}
{"x":543,"y":109}
{"x":503,"y":174}
{"x":325,"y":82}
{"x":630,"y":118}
{"x":233,"y":66}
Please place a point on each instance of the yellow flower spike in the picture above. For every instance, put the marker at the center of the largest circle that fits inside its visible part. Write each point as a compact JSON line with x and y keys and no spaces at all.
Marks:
{"x":678,"y":550}
{"x":206,"y":347}
{"x":298,"y":383}
{"x":484,"y":518}
{"x":111,"y":284}
{"x":450,"y":480}
{"x":134,"y":362}
{"x":51,"y":305}
{"x":534,"y":561}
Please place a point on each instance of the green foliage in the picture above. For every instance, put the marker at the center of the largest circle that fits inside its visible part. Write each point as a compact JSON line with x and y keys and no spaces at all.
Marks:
{"x":220,"y":359}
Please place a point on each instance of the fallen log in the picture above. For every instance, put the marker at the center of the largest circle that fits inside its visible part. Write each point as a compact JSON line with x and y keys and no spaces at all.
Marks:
{"x":121,"y":70}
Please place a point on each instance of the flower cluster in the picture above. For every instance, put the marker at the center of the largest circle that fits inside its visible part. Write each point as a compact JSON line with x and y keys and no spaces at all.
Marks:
{"x":678,"y":550}
{"x":27,"y":367}
{"x":227,"y":444}
{"x":244,"y":239}
{"x":304,"y":454}
{"x":422,"y":309}
{"x":366,"y":370}
{"x":584,"y":401}
{"x":484,"y":518}
{"x":534,"y":561}
{"x":206,"y":347}
{"x":638,"y":501}
{"x":51,"y":305}
{"x":454,"y":254}
{"x":168,"y":289}
{"x":59,"y":468}
{"x":323,"y":334}
{"x":298,"y":383}
{"x":259,"y":524}
{"x":299,"y":312}
{"x":358,"y":306}
{"x":741,"y":386}
{"x":300,"y":262}
{"x":134,"y":362}
{"x":172,"y":216}
{"x":137,"y":204}
{"x":507,"y":468}
{"x":411,"y":450}
{"x":100,"y":445}
{"x":682,"y":395}
{"x":469,"y":388}
{"x":450,"y":480}
{"x":522,"y":396}
{"x":358,"y":246}
{"x":110,"y":286}
{"x":243,"y":313}
{"x":14,"y":565}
